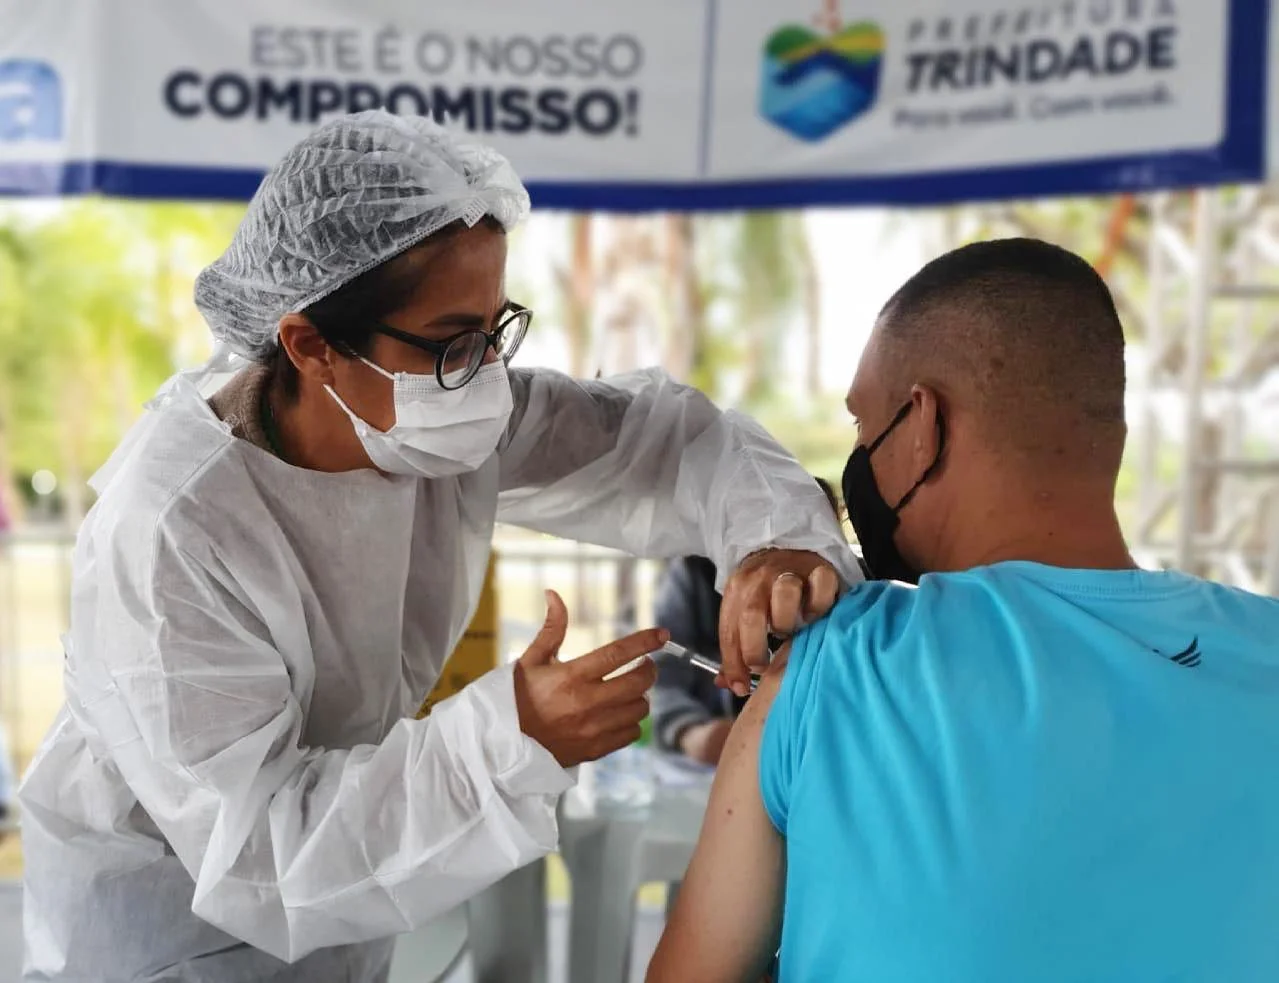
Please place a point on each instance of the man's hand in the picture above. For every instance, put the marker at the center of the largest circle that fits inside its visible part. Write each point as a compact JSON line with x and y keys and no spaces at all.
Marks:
{"x":775,"y":591}
{"x":568,"y":707}
{"x":704,"y":742}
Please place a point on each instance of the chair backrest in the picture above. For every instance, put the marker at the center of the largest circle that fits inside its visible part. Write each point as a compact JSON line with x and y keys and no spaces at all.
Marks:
{"x":431,"y":953}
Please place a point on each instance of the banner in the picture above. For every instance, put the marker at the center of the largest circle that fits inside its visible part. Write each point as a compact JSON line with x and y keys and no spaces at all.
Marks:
{"x":1272,"y":102}
{"x":689,"y":104}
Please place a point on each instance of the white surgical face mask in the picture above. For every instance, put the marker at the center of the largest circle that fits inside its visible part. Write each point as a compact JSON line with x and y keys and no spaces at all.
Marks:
{"x":438,"y":432}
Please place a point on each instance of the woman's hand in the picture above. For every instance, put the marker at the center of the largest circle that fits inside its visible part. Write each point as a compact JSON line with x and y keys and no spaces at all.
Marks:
{"x":569,"y":707}
{"x":777,"y":591}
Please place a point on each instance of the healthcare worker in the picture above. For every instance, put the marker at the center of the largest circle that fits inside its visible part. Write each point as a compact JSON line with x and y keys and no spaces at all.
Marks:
{"x":272,"y":579}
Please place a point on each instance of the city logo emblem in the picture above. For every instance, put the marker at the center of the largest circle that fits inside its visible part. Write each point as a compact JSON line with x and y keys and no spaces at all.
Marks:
{"x":30,"y":101}
{"x":817,"y":81}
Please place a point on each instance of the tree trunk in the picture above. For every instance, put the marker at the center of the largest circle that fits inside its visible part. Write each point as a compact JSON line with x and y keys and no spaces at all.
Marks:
{"x":685,"y":338}
{"x":579,"y":287}
{"x":812,"y":314}
{"x":631,"y":257}
{"x":756,"y":369}
{"x":9,"y":499}
{"x":122,"y":392}
{"x":580,"y":298}
{"x":74,"y":485}
{"x":1208,"y":500}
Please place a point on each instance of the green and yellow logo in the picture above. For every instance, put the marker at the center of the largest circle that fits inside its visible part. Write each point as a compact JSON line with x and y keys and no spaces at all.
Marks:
{"x":816,"y":81}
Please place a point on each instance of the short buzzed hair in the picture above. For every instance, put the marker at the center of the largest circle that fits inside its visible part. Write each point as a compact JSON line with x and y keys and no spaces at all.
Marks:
{"x":1026,"y":332}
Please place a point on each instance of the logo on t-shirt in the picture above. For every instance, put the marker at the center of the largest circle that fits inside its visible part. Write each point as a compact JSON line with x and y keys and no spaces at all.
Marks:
{"x":1188,"y":657}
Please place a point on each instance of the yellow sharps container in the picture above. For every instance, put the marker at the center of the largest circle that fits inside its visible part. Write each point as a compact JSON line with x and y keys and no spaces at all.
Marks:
{"x":476,"y":653}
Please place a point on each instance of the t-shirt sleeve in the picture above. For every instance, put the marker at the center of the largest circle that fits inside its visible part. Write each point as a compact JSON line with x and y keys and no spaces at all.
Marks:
{"x":785,"y":732}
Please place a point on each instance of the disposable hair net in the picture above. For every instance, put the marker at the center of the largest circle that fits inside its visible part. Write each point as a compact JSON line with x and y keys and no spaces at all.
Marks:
{"x":355,"y":193}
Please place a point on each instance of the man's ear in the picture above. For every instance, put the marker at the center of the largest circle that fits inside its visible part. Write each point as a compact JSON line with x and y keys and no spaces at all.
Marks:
{"x":307,"y":349}
{"x":926,"y":432}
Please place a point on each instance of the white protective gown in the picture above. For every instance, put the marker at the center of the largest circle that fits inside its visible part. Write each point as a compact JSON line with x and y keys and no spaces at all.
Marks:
{"x":236,"y":789}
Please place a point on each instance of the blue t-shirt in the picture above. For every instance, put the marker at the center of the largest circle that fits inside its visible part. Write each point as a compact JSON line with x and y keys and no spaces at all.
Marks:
{"x":1022,"y":773}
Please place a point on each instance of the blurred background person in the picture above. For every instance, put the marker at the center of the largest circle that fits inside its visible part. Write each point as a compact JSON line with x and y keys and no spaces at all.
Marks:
{"x":691,"y":714}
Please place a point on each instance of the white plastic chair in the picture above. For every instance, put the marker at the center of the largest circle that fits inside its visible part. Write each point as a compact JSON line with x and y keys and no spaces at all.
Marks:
{"x":431,"y":953}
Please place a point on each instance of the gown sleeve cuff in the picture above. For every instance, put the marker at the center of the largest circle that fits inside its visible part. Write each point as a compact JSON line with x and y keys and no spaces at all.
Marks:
{"x":519,"y":765}
{"x":835,"y":552}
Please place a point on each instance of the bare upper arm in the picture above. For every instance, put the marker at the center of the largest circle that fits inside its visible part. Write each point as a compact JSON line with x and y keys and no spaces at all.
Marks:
{"x":725,"y":924}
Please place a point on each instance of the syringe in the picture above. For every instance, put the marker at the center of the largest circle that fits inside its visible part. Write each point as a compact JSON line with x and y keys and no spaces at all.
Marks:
{"x":699,"y":660}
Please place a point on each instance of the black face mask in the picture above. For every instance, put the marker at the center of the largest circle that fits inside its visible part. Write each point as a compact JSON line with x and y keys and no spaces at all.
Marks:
{"x":873,"y":519}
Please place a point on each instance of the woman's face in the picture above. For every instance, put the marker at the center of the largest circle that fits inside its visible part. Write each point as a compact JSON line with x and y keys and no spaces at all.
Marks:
{"x":463,"y":285}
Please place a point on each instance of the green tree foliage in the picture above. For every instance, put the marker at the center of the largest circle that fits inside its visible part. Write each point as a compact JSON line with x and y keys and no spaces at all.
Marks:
{"x":95,"y":313}
{"x":757,"y":279}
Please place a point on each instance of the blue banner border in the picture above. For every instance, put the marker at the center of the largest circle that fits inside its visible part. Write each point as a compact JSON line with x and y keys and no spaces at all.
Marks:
{"x":1239,"y":158}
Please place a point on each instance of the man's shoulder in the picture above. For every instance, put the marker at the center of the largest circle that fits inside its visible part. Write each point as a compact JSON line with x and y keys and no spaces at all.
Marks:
{"x":891,"y":609}
{"x":878,"y":608}
{"x":904,"y":631}
{"x":890,"y":625}
{"x":880,"y":654}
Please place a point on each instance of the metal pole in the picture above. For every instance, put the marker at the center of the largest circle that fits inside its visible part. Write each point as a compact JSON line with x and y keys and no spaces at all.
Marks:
{"x":1148,"y":492}
{"x":1197,"y":337}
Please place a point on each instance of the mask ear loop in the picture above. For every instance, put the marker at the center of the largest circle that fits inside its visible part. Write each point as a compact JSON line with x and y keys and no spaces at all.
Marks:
{"x":930,"y":470}
{"x":377,"y":368}
{"x":892,"y":425}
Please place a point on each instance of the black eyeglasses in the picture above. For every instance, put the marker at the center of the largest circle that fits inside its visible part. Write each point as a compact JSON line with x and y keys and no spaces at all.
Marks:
{"x":458,"y":358}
